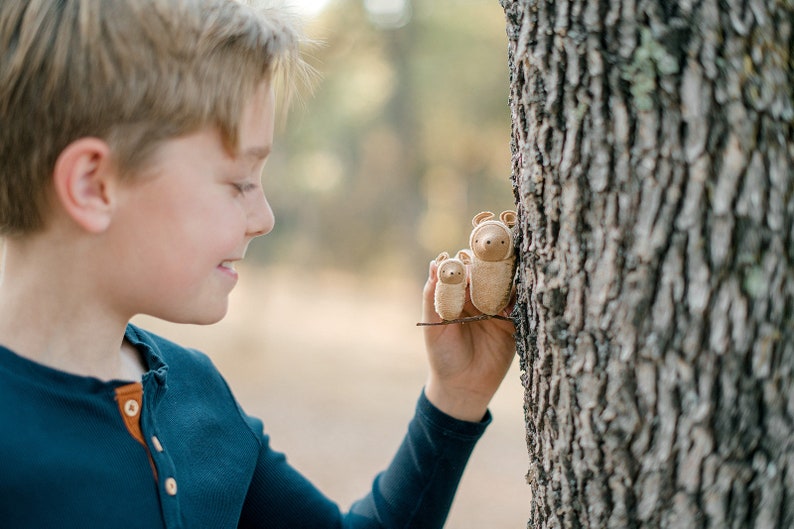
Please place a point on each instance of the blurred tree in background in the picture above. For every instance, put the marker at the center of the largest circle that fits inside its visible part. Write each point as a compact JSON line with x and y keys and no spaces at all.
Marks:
{"x":405,"y":138}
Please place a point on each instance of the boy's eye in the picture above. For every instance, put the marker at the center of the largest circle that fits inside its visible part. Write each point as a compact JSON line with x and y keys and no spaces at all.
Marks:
{"x":243,"y":187}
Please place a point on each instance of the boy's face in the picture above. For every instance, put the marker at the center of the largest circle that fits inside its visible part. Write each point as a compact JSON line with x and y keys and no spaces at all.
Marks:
{"x":181,"y":227}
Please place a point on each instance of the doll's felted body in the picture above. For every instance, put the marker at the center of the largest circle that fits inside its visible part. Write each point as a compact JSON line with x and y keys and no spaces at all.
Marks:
{"x":492,"y":261}
{"x":450,"y":294}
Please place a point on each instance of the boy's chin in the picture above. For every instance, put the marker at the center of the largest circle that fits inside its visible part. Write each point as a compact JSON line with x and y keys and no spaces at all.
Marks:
{"x":209,"y":319}
{"x":206,"y":317}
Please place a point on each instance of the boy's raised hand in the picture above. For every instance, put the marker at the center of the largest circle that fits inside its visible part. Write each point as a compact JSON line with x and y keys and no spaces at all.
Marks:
{"x":468,"y":361}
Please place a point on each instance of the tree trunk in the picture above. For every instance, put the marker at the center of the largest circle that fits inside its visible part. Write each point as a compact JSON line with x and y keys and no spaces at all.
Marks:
{"x":654,"y":178}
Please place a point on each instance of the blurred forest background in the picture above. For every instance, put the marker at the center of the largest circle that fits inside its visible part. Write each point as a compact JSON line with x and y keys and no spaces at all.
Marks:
{"x":404,"y":140}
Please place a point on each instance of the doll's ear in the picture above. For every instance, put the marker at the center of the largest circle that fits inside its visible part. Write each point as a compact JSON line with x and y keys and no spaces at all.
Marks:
{"x":83,"y":184}
{"x":509,"y":218}
{"x":481,"y":217}
{"x":443,"y":256}
{"x":464,"y":256}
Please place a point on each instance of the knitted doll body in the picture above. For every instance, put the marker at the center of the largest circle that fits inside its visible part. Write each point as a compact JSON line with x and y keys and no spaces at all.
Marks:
{"x":450,"y":294}
{"x":493,"y":261}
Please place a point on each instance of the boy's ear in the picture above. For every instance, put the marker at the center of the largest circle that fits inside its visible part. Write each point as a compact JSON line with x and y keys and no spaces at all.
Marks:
{"x":83,"y":183}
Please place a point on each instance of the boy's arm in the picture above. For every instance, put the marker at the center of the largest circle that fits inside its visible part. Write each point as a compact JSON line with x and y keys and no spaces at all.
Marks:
{"x":418,"y":487}
{"x":415,"y":491}
{"x":467,"y":364}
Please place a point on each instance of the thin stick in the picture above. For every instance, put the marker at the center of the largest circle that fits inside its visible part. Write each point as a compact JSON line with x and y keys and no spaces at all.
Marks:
{"x":469,"y":319}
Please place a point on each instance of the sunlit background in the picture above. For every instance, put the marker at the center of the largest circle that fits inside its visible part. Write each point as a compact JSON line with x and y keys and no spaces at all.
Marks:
{"x":405,"y":138}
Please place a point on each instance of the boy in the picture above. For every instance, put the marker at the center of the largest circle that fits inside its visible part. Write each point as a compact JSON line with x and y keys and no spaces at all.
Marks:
{"x":132,"y":140}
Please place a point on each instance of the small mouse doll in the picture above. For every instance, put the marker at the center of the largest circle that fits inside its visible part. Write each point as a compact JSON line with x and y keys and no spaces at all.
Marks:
{"x":492,"y":261}
{"x":450,"y":292}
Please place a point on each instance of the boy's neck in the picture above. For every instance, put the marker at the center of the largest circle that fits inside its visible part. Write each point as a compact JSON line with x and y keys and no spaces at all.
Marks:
{"x":47,"y":314}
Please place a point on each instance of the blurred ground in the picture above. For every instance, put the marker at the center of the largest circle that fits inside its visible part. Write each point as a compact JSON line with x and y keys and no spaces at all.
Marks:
{"x":333,"y":364}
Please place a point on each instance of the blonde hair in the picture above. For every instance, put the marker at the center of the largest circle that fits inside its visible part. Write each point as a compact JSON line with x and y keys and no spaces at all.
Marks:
{"x":132,"y":72}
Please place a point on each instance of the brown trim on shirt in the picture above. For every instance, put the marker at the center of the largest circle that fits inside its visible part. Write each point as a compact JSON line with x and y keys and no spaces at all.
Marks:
{"x":130,"y":401}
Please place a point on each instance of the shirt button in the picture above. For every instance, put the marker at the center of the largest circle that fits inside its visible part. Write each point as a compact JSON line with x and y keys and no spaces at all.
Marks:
{"x":156,"y":443}
{"x":131,"y":408}
{"x":170,"y":486}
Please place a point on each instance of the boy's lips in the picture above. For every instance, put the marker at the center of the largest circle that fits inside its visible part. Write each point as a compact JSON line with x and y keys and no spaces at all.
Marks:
{"x":227,"y":268}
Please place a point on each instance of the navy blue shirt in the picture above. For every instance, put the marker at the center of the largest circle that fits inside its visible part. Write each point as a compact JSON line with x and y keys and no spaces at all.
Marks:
{"x":176,"y":451}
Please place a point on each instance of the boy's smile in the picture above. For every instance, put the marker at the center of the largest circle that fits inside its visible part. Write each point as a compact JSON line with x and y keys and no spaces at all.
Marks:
{"x":228,"y":266}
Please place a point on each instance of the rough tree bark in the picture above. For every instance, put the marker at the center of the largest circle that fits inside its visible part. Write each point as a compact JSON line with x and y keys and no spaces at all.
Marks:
{"x":654,"y":177}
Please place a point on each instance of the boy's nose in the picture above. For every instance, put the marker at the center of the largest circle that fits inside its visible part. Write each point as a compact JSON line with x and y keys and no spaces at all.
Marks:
{"x":260,"y":216}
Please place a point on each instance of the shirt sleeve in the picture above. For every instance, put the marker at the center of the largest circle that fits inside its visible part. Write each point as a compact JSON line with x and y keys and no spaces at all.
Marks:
{"x":415,"y":491}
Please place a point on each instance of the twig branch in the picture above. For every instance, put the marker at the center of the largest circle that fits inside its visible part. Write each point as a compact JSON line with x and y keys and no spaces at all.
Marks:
{"x":469,"y":319}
